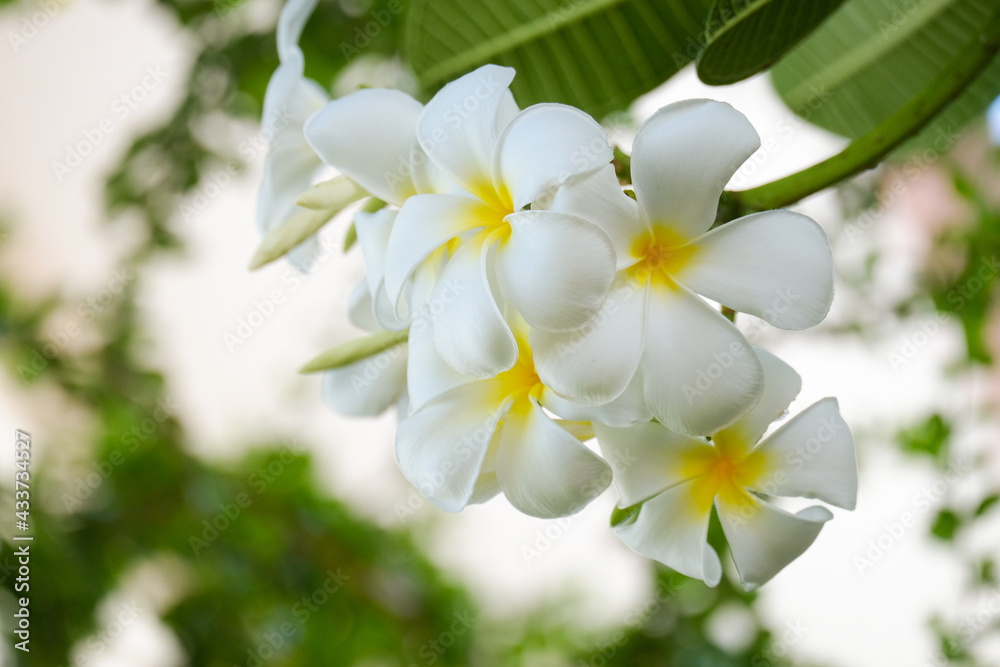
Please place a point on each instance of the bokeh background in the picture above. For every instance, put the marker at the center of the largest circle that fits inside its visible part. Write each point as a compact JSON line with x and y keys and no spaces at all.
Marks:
{"x":193,"y":501}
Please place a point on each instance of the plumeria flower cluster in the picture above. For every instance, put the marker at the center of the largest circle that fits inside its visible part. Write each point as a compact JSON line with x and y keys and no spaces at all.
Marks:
{"x":523,"y":302}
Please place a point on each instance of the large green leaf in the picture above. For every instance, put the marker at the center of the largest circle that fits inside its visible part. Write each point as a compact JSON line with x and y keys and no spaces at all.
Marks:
{"x":748,"y":36}
{"x":598,"y":55}
{"x":872,"y":56}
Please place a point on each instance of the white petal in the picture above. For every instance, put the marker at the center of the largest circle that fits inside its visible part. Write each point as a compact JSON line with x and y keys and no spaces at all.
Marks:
{"x":543,"y":470}
{"x":469,"y":330}
{"x":812,"y":456}
{"x":424,"y":224}
{"x":291,"y":21}
{"x":543,"y":147}
{"x":290,"y":162}
{"x":700,"y":373}
{"x":428,"y":376}
{"x":599,"y":199}
{"x":428,"y":178}
{"x":781,"y":386}
{"x":682,"y":158}
{"x":360,"y":311}
{"x":440,"y":447}
{"x":627,"y":409}
{"x":672,"y":530}
{"x":373,"y":237}
{"x":764,"y":539}
{"x":289,"y":101}
{"x":775,"y":265}
{"x":594,"y":365}
{"x":555,"y":269}
{"x":460,"y":126}
{"x":487,"y":485}
{"x":368,"y":387}
{"x":647,"y":458}
{"x":368,"y":136}
{"x":373,"y":231}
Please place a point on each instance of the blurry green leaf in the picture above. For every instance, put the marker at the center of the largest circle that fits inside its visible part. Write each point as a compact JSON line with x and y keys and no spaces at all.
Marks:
{"x":987,"y":573}
{"x":945,"y":525}
{"x":987,"y":504}
{"x":970,"y":295}
{"x":929,"y":437}
{"x":872,"y":56}
{"x":748,"y":36}
{"x":598,"y":55}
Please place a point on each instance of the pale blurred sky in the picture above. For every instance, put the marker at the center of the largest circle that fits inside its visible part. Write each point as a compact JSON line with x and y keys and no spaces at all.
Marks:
{"x":63,"y":82}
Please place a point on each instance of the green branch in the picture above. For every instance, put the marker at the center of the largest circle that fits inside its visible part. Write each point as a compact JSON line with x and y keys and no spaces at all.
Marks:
{"x":867,"y":151}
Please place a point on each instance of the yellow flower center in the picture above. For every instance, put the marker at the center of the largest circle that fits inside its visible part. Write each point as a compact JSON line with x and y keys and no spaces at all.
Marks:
{"x":521,"y":381}
{"x":727,"y":471}
{"x":662,"y":255}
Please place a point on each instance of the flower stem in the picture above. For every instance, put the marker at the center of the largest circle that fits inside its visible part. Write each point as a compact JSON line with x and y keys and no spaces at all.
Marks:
{"x":867,"y":151}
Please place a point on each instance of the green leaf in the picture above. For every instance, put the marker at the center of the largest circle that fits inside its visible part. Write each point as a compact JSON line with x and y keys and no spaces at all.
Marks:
{"x":746,"y":37}
{"x":598,"y":55}
{"x":929,"y":437}
{"x":946,"y":524}
{"x":987,"y":504}
{"x":986,"y":572}
{"x":872,"y":56}
{"x":356,"y":350}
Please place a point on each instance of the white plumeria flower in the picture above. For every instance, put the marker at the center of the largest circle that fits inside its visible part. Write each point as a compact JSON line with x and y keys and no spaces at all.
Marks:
{"x":553,"y":267}
{"x":698,"y":373}
{"x":678,"y":478}
{"x":468,"y":439}
{"x":291,"y":163}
